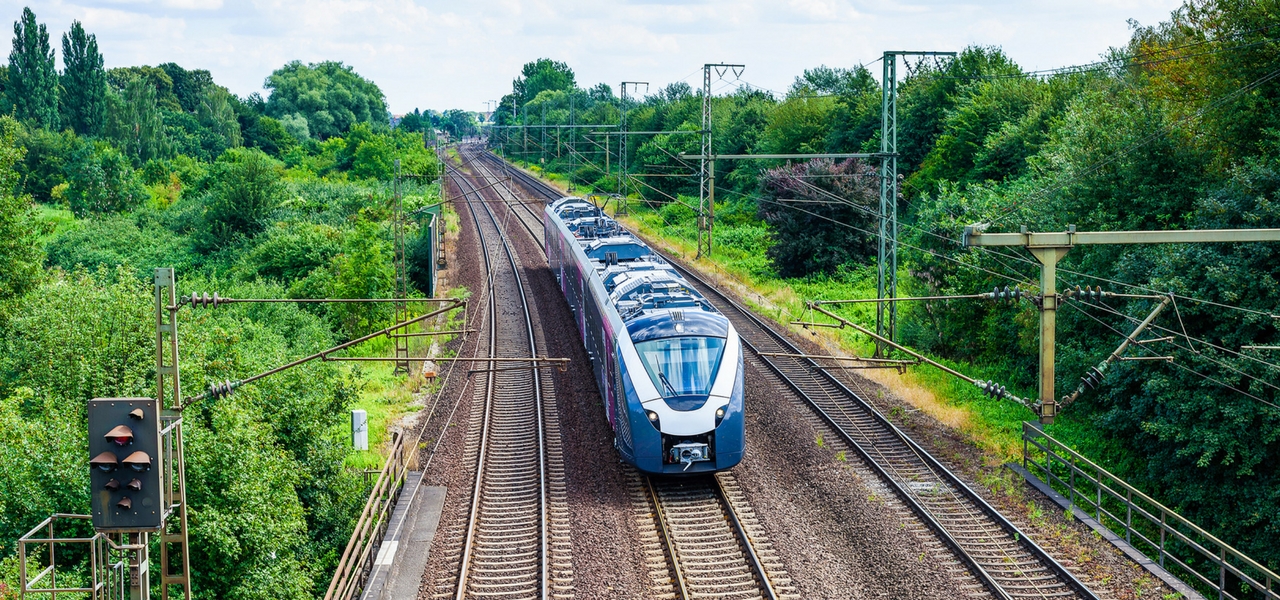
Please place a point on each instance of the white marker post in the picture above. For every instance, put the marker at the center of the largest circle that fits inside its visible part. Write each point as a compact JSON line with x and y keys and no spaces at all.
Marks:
{"x":360,"y":429}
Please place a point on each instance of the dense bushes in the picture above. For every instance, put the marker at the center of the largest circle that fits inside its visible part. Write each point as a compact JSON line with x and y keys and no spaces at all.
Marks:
{"x":176,"y":172}
{"x":244,"y":189}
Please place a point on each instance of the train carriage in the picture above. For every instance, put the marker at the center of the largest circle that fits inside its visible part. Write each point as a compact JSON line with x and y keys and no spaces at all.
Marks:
{"x":668,"y":364}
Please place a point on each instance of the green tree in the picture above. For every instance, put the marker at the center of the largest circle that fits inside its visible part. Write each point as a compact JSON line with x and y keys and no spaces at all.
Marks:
{"x":119,"y":78}
{"x":20,"y":255}
{"x":84,"y":82}
{"x":216,"y":114}
{"x":542,"y":75}
{"x":47,"y":154}
{"x":362,"y":270}
{"x":101,"y":180}
{"x":136,"y":123}
{"x":33,"y":79}
{"x":246,"y":189}
{"x":331,"y":96}
{"x":835,"y":223}
{"x":374,"y":159}
{"x":188,"y":87}
{"x":459,"y":123}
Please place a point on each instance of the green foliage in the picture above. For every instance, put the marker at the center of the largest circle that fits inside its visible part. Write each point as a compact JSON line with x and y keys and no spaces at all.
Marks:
{"x":246,"y":189}
{"x":418,"y":257}
{"x":189,"y":87}
{"x":19,"y":251}
{"x":136,"y":123}
{"x":330,"y":96}
{"x":33,"y":79}
{"x":101,"y":181}
{"x":46,"y":160}
{"x":116,"y":241}
{"x":542,"y":75}
{"x":373,"y":158}
{"x":290,"y":251}
{"x":84,"y":82}
{"x":216,"y":114}
{"x":820,"y":222}
{"x":798,"y":125}
{"x":295,"y":125}
{"x":156,"y":78}
{"x":363,"y":270}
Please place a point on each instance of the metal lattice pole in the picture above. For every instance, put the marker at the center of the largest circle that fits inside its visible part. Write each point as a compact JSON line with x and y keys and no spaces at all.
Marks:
{"x":402,"y":277}
{"x":707,"y":165}
{"x":704,"y":229}
{"x":887,"y":265}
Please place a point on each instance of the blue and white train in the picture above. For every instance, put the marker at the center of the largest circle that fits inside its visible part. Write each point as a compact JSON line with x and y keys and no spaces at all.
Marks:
{"x":668,"y":364}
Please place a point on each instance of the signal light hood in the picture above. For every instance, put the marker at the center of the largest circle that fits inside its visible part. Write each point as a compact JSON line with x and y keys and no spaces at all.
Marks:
{"x":106,"y":461}
{"x":138,"y":461}
{"x":120,"y":435}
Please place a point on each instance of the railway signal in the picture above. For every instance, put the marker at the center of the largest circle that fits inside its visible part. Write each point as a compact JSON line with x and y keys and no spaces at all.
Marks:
{"x":124,"y":464}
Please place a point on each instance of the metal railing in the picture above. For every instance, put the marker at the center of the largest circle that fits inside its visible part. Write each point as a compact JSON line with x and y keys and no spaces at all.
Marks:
{"x":353,"y":570}
{"x":1181,"y":547}
{"x":95,"y":567}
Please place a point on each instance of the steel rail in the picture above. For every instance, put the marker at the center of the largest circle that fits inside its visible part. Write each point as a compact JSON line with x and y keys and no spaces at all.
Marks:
{"x":739,"y":536}
{"x":820,"y":375}
{"x":737,"y":539}
{"x":543,"y":552}
{"x":948,"y":478}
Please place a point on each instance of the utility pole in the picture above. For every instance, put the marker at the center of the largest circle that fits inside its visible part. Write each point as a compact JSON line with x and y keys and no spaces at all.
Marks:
{"x":887,"y":265}
{"x":707,"y":166}
{"x":621,"y":207}
{"x":1049,"y":248}
{"x":402,"y":277}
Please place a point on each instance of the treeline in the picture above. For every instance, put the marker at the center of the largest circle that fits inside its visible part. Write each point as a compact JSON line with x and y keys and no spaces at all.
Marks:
{"x":1179,"y":129}
{"x":106,"y":174}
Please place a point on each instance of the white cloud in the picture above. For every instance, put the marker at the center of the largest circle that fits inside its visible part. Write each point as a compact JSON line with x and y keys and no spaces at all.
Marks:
{"x":450,"y":53}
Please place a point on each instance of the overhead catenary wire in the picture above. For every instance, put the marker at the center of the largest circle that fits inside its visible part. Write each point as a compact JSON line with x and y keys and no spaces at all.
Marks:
{"x":1176,"y":364}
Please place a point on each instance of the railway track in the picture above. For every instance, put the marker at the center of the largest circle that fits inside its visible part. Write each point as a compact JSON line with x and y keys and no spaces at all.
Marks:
{"x":515,"y":540}
{"x":709,"y":541}
{"x":994,"y":550}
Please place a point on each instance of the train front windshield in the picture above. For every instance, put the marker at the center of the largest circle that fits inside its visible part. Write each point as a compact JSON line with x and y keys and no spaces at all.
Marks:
{"x":682,"y":366}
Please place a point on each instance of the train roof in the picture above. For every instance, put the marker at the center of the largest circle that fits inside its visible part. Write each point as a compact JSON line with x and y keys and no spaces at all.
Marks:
{"x":651,"y":297}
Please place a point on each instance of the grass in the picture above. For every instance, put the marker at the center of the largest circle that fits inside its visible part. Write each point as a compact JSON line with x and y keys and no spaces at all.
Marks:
{"x":57,"y":220}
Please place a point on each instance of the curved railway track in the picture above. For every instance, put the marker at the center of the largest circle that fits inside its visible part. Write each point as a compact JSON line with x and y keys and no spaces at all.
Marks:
{"x":994,"y":550}
{"x":709,"y":539}
{"x":515,"y":542}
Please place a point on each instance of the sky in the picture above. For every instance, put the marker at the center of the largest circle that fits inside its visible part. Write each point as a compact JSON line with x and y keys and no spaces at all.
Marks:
{"x":462,"y":53}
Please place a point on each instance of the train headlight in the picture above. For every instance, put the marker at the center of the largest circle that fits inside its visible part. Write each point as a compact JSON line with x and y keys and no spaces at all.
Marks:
{"x":653,"y":418}
{"x":720,"y":413}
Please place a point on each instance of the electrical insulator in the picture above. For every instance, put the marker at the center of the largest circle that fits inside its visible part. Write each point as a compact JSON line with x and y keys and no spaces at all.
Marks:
{"x":992,"y":389}
{"x":198,"y":301}
{"x":1010,"y":294}
{"x":222,"y":390}
{"x":1092,"y":378}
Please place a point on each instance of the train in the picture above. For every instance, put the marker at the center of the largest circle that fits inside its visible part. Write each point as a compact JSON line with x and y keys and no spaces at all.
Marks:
{"x":667,"y":363}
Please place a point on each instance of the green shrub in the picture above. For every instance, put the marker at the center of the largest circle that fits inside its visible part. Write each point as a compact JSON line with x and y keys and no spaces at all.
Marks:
{"x":102,"y":180}
{"x":245,"y":188}
{"x":290,"y":251}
